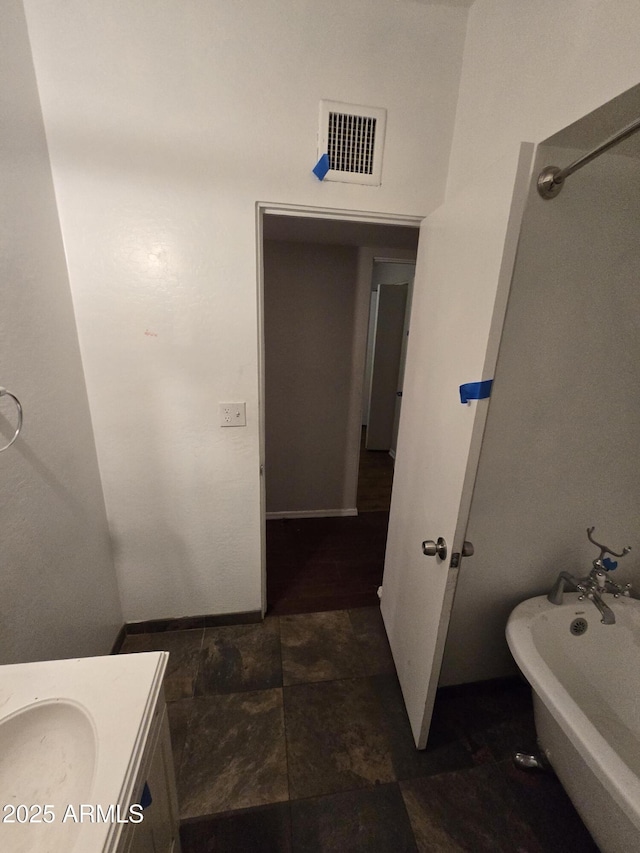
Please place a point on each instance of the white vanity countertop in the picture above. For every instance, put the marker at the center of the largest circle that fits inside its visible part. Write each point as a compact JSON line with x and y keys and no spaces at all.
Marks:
{"x":72,"y":732}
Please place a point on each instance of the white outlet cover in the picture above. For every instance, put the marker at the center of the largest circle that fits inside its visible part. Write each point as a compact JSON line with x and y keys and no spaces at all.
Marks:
{"x":233,"y":414}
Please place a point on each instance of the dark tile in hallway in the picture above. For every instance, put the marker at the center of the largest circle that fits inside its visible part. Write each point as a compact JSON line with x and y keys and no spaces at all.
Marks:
{"x":235,"y":755}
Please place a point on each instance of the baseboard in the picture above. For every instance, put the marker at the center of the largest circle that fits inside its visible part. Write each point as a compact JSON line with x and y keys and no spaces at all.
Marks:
{"x":312,"y":513}
{"x":185,"y":623}
{"x":119,"y":640}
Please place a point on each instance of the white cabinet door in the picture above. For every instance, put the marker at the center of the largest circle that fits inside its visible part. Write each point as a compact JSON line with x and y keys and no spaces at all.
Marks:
{"x":159,"y":830}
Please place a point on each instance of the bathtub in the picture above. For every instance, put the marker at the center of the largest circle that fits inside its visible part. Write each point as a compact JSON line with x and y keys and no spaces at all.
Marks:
{"x":585,"y":678}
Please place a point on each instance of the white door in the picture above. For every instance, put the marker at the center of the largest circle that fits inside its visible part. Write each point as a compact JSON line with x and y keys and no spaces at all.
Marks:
{"x":403,"y":364}
{"x":387,"y":355}
{"x":463,"y":272}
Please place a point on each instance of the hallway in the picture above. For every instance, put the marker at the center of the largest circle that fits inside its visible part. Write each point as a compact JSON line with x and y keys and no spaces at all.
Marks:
{"x":316,"y":564}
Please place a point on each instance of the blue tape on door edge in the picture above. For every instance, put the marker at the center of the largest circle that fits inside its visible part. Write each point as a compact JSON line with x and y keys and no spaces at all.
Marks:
{"x":146,"y":799}
{"x":322,"y":167}
{"x":475,"y":390}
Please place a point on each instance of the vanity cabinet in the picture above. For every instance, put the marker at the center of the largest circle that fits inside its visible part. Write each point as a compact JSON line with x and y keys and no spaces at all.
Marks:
{"x":83,"y":739}
{"x":155,"y":781}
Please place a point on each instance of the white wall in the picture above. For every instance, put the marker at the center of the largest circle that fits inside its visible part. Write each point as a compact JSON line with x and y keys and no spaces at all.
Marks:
{"x":59,"y":596}
{"x":313,"y":312}
{"x":530,"y":69}
{"x":166,"y":122}
{"x":560,"y":447}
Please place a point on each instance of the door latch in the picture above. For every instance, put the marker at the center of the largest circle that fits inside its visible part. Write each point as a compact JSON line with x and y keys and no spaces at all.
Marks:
{"x":467,"y":551}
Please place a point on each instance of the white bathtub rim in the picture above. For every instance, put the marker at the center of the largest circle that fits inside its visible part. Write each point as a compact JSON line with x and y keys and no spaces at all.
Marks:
{"x":611,"y":770}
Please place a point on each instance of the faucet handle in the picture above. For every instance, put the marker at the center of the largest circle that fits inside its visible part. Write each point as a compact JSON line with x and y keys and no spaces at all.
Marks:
{"x":602,"y":562}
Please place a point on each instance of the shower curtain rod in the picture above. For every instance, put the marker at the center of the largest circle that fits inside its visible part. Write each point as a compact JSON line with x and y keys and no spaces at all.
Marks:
{"x":551,"y":179}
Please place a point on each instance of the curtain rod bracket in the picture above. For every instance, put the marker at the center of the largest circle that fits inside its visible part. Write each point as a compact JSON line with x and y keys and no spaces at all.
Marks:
{"x":548,"y":184}
{"x":551,"y":179}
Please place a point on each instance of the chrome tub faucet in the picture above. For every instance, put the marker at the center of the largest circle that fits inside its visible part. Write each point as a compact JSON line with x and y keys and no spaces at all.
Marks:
{"x":557,"y":591}
{"x":595,"y":583}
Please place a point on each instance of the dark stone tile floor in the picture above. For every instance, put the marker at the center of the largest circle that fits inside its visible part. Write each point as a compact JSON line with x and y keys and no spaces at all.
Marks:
{"x":319,"y":647}
{"x":291,"y":735}
{"x":240,"y":657}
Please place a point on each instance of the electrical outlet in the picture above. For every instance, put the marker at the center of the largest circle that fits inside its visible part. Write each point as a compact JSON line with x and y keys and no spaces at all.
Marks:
{"x":233,"y":414}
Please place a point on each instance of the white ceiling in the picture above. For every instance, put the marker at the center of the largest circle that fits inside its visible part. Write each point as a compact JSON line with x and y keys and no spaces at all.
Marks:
{"x":442,"y":2}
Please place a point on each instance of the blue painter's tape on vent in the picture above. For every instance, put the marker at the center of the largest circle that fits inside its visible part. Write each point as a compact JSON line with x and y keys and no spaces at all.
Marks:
{"x":475,"y":390}
{"x":322,"y":167}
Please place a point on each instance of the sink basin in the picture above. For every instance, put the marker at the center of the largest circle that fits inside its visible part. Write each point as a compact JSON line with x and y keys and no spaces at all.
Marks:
{"x":72,"y":734}
{"x":47,"y":757}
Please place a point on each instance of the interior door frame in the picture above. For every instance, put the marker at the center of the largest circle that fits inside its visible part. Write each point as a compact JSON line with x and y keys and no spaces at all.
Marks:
{"x":282,"y":209}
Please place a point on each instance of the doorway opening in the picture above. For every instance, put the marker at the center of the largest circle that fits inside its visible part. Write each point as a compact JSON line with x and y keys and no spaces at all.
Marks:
{"x":387,"y":338}
{"x":326,"y":495}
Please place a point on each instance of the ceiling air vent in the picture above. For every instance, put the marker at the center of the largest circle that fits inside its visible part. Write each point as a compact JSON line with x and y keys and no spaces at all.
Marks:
{"x":353,"y":138}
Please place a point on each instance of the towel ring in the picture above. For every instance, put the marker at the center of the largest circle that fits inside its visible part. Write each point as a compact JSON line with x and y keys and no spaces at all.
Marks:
{"x":4,"y":392}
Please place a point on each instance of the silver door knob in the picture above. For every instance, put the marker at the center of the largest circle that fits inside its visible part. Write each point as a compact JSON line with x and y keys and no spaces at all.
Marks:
{"x":433,"y":549}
